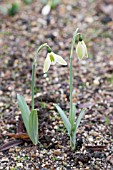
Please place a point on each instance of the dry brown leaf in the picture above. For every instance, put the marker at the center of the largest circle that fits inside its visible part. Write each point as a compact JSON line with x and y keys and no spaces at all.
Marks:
{"x":10,"y":144}
{"x":96,"y":148}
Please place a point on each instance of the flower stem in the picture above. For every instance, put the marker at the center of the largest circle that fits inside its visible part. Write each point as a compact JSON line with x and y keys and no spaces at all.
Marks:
{"x":72,"y":141}
{"x":33,"y":71}
{"x":71,"y":82}
{"x":33,"y":84}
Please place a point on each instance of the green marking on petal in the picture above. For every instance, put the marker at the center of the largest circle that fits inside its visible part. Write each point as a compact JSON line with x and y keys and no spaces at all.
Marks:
{"x":51,"y":58}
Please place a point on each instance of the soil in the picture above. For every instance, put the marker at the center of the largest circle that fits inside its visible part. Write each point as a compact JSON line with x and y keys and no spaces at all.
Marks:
{"x":20,"y":36}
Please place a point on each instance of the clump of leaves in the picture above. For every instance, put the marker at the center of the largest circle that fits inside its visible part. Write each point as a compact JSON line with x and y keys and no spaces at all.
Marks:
{"x":13,"y":9}
{"x":10,"y":9}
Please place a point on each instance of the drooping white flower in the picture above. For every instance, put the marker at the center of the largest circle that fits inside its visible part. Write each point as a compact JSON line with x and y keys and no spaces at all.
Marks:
{"x":51,"y":59}
{"x":81,"y":50}
{"x":46,"y":9}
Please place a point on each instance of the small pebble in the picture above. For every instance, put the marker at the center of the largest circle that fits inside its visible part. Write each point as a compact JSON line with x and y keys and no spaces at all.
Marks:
{"x":19,"y":165}
{"x":91,"y":139}
{"x":11,"y":150}
{"x":18,"y":149}
{"x":110,"y":159}
{"x":96,"y":82}
{"x":57,"y":152}
{"x":4,"y":159}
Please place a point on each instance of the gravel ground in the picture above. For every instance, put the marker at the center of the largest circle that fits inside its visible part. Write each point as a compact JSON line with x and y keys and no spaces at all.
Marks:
{"x":93,"y":86}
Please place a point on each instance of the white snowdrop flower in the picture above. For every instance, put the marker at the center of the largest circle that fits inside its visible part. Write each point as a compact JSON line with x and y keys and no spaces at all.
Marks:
{"x":51,"y":59}
{"x":81,"y":50}
{"x":46,"y":9}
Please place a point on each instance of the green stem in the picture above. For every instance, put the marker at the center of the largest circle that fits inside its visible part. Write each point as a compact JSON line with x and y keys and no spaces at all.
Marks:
{"x":33,"y":71}
{"x":71,"y":72}
{"x":33,"y":84}
{"x":73,"y":141}
{"x":71,"y":89}
{"x":71,"y":81}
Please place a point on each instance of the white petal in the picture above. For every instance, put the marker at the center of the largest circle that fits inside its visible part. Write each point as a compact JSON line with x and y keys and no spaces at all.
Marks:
{"x":46,"y":9}
{"x":85,"y":48}
{"x":47,"y":64}
{"x":59,"y":59}
{"x":80,"y":50}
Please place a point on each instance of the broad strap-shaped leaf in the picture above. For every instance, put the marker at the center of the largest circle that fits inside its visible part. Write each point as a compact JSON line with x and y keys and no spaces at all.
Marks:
{"x":24,"y":111}
{"x":64,"y":118}
{"x":33,"y":126}
{"x":72,"y":117}
{"x":79,"y":118}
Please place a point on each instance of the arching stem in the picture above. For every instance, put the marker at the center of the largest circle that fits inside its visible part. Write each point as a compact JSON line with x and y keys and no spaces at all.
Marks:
{"x":33,"y":71}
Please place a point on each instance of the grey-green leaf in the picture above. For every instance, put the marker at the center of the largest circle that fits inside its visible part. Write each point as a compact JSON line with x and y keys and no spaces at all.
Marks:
{"x":64,"y":118}
{"x":24,"y":111}
{"x":72,"y":118}
{"x":79,"y":118}
{"x":33,"y":127}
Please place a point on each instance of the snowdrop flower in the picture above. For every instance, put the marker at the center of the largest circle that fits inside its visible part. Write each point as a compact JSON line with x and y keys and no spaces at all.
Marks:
{"x":51,"y":59}
{"x":81,"y":50}
{"x":46,"y":9}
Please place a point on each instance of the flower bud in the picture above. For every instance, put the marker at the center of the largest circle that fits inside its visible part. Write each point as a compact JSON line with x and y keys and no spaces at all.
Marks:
{"x":81,"y":50}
